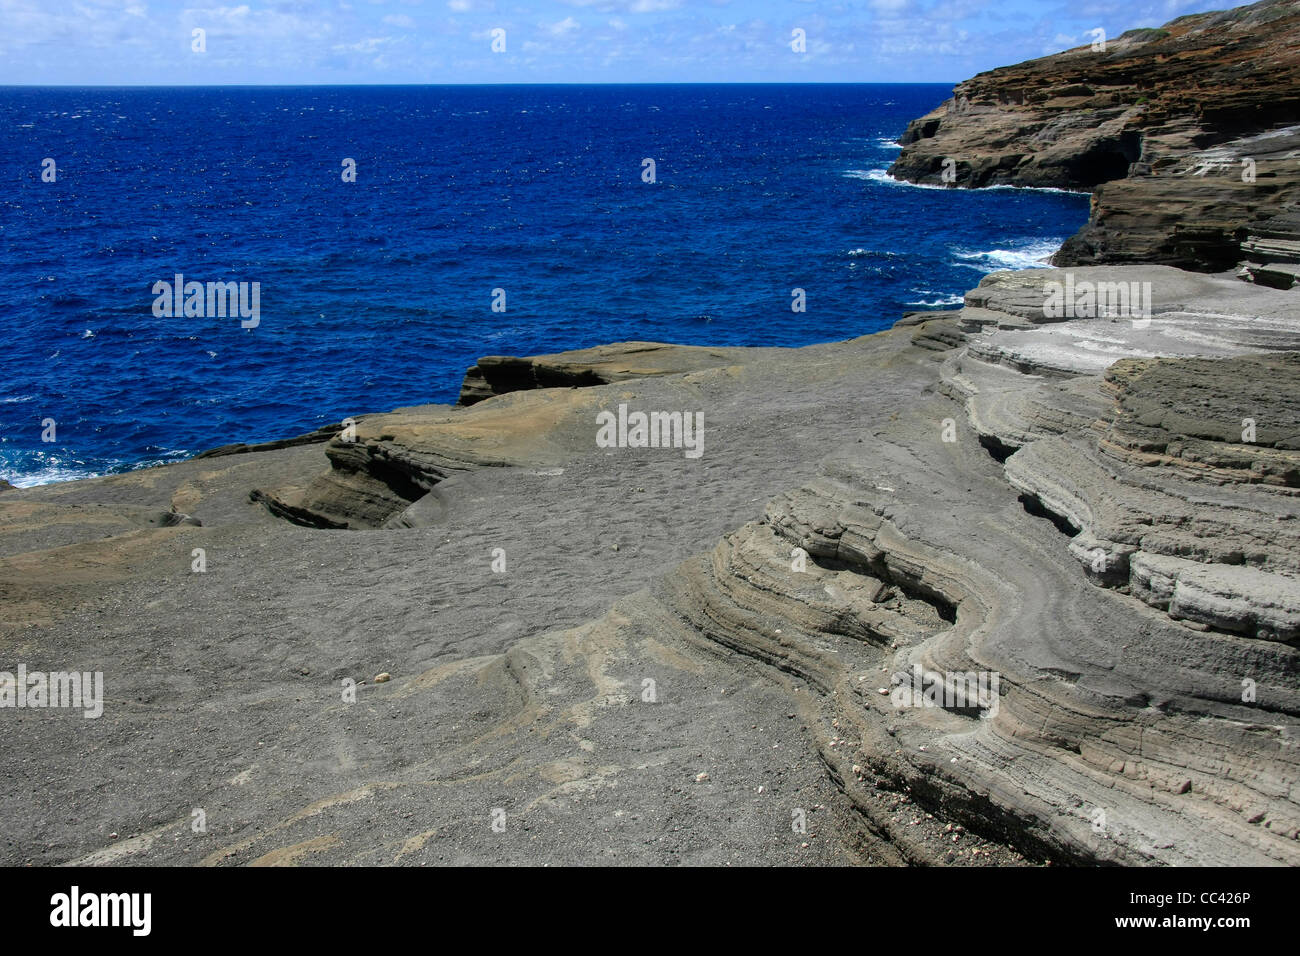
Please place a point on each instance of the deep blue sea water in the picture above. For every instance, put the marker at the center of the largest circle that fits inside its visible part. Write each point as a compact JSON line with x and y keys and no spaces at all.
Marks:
{"x":378,"y":293}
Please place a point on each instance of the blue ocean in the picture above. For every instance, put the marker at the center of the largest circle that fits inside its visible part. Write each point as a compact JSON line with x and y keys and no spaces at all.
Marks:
{"x":379,"y":292}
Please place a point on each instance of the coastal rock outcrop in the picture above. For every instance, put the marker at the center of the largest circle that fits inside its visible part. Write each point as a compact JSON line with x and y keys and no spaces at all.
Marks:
{"x":1114,"y":733}
{"x":389,"y":462}
{"x":1178,"y":476}
{"x":1012,"y":583}
{"x":600,"y":365}
{"x":1272,"y":249}
{"x":993,"y":587}
{"x":1186,"y":135}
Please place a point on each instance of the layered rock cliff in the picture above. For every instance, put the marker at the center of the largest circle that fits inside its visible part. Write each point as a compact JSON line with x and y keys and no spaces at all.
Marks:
{"x":633,"y":655}
{"x":1079,"y":533}
{"x":1188,"y":136}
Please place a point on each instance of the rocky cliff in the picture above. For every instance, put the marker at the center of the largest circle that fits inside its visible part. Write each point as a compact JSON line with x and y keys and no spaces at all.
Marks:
{"x":990,"y":587}
{"x":643,"y":657}
{"x":1187,"y":135}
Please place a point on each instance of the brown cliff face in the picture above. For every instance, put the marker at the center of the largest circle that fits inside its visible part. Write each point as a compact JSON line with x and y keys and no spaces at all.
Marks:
{"x":1186,"y":135}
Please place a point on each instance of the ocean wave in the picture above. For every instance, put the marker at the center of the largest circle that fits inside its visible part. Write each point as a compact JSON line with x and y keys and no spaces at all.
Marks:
{"x":1033,"y":255}
{"x":861,"y":253}
{"x":884,"y":143}
{"x":44,"y":468}
{"x":881,"y":175}
{"x":946,"y":300}
{"x":47,"y":474}
{"x":1034,"y":189}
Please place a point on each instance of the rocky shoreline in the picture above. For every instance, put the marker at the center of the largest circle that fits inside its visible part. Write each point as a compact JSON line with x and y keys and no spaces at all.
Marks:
{"x":622,"y":650}
{"x":1188,"y":137}
{"x":1000,"y":585}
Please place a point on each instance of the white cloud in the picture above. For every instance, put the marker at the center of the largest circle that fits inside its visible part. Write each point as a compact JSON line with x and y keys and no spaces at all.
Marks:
{"x":567,"y":25}
{"x":367,"y":46}
{"x":627,"y":6}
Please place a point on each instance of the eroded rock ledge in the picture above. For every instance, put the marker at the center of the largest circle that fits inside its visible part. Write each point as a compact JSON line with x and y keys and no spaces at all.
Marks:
{"x":379,"y":475}
{"x":618,"y":362}
{"x":1187,"y":135}
{"x":1108,"y":712}
{"x":1075,"y":507}
{"x":1112,"y":531}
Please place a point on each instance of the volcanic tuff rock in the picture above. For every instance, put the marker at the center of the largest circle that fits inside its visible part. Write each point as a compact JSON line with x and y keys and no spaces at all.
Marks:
{"x":680,"y":655}
{"x":383,"y":473}
{"x":499,"y":374}
{"x":1272,"y":248}
{"x":1186,"y":135}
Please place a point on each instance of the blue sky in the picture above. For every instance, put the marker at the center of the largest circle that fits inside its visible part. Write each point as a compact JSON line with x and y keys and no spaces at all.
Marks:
{"x":128,"y":42}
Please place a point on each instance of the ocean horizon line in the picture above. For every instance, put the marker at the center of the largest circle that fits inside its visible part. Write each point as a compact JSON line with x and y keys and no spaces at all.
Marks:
{"x":351,"y":86}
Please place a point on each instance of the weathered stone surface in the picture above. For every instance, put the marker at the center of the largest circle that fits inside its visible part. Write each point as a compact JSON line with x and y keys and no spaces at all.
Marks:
{"x":322,"y":434}
{"x":1272,"y":250}
{"x":1185,"y":135}
{"x":635,"y":656}
{"x":1143,"y":639}
{"x":1131,"y":458}
{"x":397,"y":459}
{"x":618,"y":362}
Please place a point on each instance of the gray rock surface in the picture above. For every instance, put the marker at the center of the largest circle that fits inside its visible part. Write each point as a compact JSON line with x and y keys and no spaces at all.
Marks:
{"x":681,"y":660}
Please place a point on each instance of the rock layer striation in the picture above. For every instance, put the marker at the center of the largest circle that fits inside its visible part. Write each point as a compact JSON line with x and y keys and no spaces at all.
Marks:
{"x":1188,"y":137}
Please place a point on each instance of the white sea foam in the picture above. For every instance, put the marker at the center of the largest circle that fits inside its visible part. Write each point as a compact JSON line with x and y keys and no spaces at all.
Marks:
{"x":1037,"y":189}
{"x":45,"y":475}
{"x":49,"y":468}
{"x":945,"y":300}
{"x":1033,"y":255}
{"x":881,"y":175}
